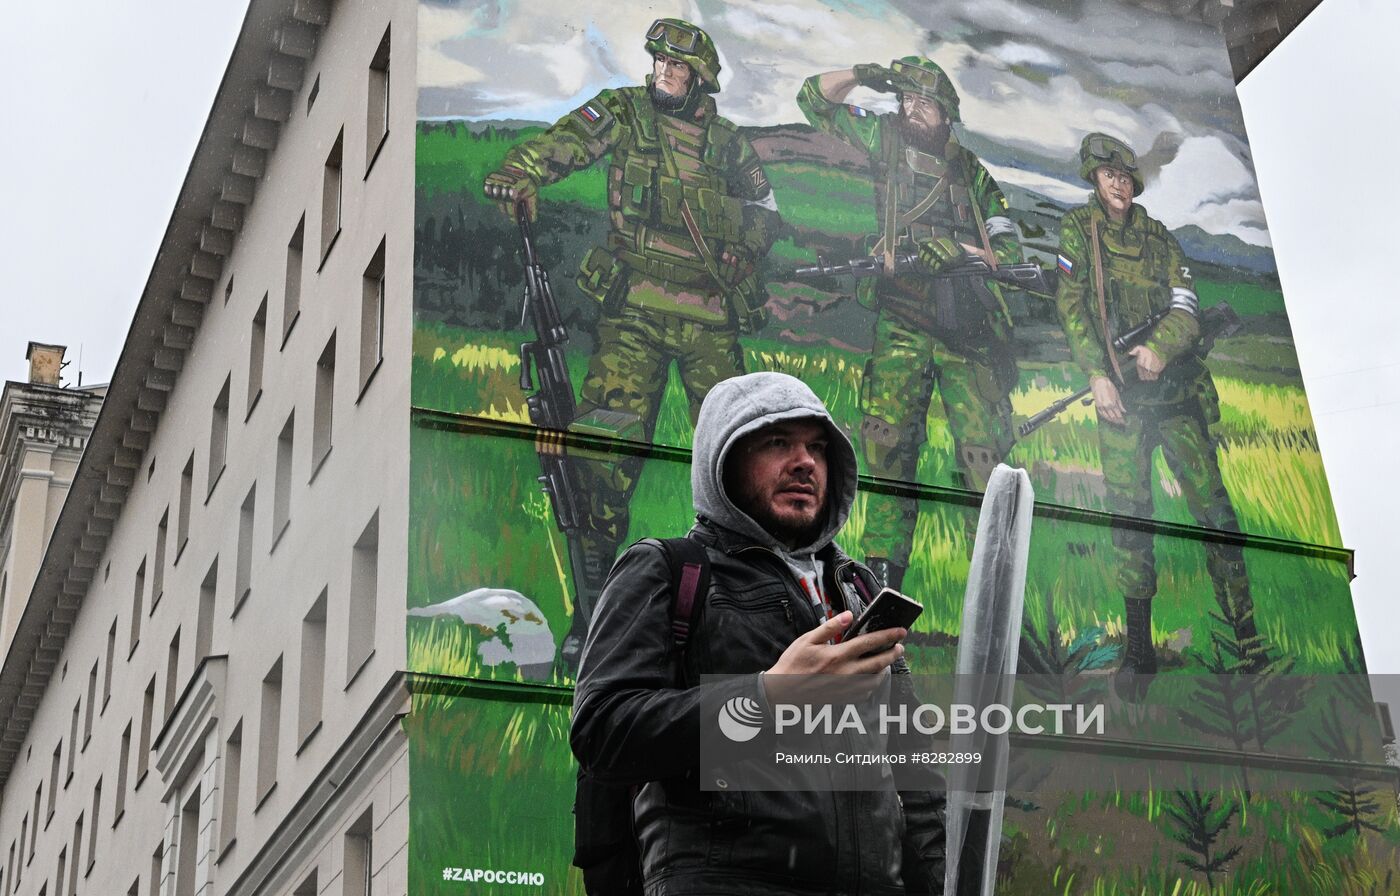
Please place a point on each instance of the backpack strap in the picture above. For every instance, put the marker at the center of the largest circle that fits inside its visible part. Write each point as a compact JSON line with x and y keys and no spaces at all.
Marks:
{"x":690,"y":582}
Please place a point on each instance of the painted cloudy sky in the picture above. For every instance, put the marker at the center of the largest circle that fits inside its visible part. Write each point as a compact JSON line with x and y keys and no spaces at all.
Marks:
{"x":1034,"y":77}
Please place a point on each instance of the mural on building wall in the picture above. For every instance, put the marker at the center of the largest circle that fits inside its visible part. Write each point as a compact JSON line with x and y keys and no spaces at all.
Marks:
{"x":981,"y":232}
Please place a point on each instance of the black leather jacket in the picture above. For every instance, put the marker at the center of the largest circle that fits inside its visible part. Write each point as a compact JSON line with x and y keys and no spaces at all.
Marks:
{"x":635,"y":723}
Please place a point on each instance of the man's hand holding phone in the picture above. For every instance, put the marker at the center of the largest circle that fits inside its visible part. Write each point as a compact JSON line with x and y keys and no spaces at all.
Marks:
{"x":862,"y":649}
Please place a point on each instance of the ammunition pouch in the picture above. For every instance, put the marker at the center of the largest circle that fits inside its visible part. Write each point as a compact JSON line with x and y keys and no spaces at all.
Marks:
{"x":602,"y":278}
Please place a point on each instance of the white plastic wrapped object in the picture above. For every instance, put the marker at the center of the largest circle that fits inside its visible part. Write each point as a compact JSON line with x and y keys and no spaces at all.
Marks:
{"x":987,"y":648}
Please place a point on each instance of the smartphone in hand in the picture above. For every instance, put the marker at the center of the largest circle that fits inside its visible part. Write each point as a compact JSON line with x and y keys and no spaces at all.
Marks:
{"x":889,"y":609}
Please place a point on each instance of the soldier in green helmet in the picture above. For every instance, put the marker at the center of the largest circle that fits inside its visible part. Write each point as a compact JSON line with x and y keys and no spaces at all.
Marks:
{"x":1118,"y":267}
{"x":934,"y":197}
{"x":691,"y":217}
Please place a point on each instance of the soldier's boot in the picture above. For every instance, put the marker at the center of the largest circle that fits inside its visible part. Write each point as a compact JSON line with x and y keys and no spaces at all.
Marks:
{"x":1140,"y":659}
{"x":590,"y":559}
{"x":888,"y":573}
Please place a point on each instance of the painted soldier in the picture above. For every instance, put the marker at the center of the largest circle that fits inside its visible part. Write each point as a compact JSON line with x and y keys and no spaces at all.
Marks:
{"x":1119,"y":267}
{"x":933,"y":197}
{"x":691,"y":216}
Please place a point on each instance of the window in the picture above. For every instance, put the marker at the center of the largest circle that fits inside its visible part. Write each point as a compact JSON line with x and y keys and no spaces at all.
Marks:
{"x":54,"y":768}
{"x":243,"y":570}
{"x":377,"y":107}
{"x":257,"y":345}
{"x":228,"y":807}
{"x":314,"y":92}
{"x":307,"y":887}
{"x":158,"y":567}
{"x":77,"y":868}
{"x":92,"y":834}
{"x":34,"y":832}
{"x":186,"y":850}
{"x":312,"y":671}
{"x":91,"y":701}
{"x":107,"y":669}
{"x":269,"y":730}
{"x":10,"y":871}
{"x":228,"y":289}
{"x":154,"y":887}
{"x":143,"y":746}
{"x":359,"y":856}
{"x":282,"y":493}
{"x":372,"y":317}
{"x":364,"y":587}
{"x":332,"y":195}
{"x":123,"y":758}
{"x":182,"y":520}
{"x":62,"y":871}
{"x":218,"y":436}
{"x":291,"y":296}
{"x":172,"y":676}
{"x":138,"y":591}
{"x":204,"y":620}
{"x":324,"y":410}
{"x":73,"y":740}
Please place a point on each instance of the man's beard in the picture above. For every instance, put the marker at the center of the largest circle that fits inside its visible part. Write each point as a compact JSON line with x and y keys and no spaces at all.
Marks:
{"x":933,"y":140}
{"x":667,"y":102}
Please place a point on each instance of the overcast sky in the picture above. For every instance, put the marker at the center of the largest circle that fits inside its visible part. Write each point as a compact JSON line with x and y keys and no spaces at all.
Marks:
{"x":106,"y":101}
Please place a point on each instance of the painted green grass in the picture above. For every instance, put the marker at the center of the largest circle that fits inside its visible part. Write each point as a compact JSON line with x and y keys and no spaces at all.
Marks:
{"x":458,"y":163}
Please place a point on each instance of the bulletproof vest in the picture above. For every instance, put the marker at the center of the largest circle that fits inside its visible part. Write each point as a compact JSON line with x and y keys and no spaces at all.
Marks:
{"x":1137,"y":263}
{"x":661,"y":164}
{"x":914,"y":175}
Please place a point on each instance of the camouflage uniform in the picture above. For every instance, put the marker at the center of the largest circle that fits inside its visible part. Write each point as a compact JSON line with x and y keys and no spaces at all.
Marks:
{"x":664,"y":297}
{"x":951,"y":334}
{"x":1144,"y":272}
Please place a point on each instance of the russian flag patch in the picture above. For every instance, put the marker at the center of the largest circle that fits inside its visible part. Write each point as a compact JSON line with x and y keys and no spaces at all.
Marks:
{"x":1066,"y":266}
{"x":589,"y":113}
{"x":857,"y":111}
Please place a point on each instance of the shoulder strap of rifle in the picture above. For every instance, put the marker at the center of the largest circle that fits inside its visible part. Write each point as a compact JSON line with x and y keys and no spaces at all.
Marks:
{"x":971,"y":177}
{"x":1103,"y":304}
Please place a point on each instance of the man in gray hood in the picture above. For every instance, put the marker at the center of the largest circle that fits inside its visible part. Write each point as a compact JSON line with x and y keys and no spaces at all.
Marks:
{"x":773,"y":480}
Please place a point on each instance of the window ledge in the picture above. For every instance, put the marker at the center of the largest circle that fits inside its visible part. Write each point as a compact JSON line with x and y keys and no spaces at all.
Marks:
{"x":374,"y":155}
{"x":369,"y":378}
{"x":308,"y":737}
{"x":225,"y":850}
{"x":264,"y":796}
{"x":214,"y":482}
{"x":355,"y":673}
{"x":277,"y":539}
{"x":287,"y":330}
{"x":320,"y":462}
{"x":240,"y":600}
{"x":326,"y":251}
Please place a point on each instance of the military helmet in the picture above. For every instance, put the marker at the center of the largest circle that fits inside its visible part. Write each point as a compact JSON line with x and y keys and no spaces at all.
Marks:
{"x":1099,"y":150}
{"x":689,"y":43}
{"x":922,"y":76}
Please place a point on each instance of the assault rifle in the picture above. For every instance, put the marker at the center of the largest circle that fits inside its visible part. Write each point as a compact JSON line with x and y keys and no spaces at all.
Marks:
{"x":1217,"y":322}
{"x":550,"y":394}
{"x":1027,"y":275}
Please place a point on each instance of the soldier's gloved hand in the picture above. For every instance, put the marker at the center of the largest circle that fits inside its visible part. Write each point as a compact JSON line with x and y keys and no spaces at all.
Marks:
{"x":510,"y":186}
{"x":873,"y":76}
{"x":939,"y":253}
{"x":1149,"y":363}
{"x":733,"y":268}
{"x":1106,"y":399}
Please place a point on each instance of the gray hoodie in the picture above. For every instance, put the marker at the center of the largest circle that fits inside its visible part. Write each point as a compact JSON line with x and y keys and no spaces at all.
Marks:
{"x":738,"y":406}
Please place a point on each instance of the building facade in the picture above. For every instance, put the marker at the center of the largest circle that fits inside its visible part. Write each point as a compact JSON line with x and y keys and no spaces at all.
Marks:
{"x":204,"y":692}
{"x":302,"y":623}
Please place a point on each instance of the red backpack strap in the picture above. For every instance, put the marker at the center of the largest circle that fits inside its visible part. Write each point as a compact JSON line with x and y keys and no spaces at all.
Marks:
{"x":690,"y":581}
